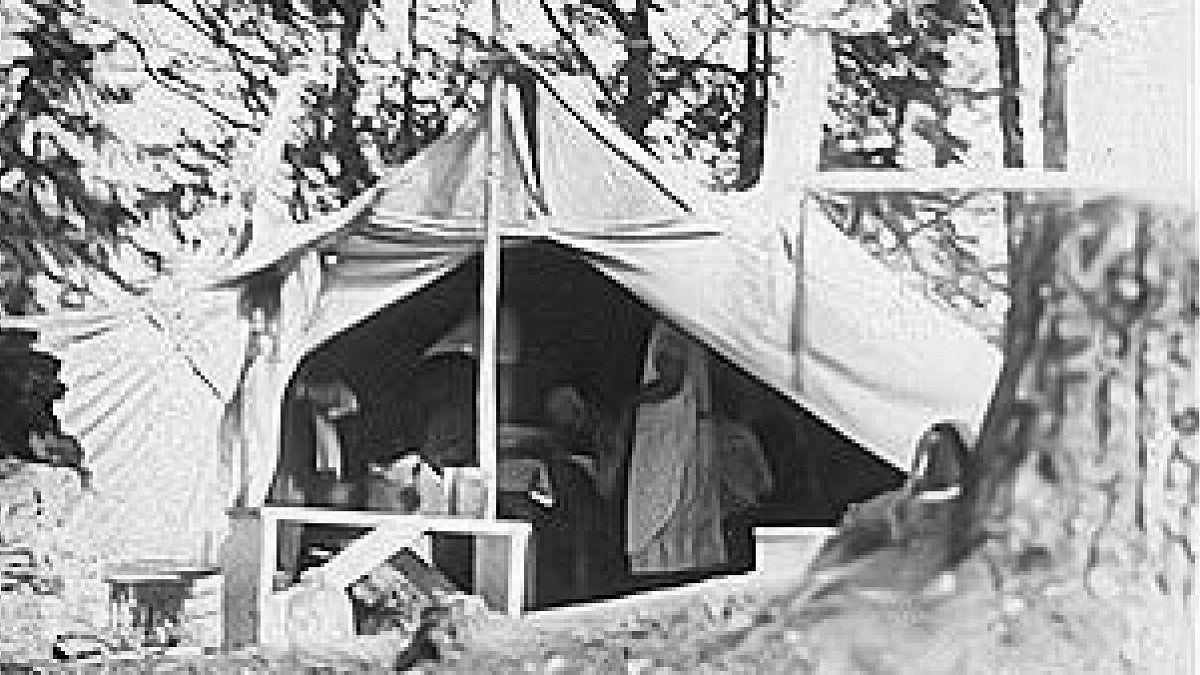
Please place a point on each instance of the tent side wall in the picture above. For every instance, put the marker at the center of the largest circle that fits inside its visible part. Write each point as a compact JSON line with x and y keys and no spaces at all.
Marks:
{"x":316,"y":301}
{"x":146,"y":385}
{"x":835,"y":332}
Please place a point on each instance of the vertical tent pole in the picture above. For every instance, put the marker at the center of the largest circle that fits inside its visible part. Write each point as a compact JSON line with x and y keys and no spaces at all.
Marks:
{"x":814,"y":71}
{"x":490,"y":287}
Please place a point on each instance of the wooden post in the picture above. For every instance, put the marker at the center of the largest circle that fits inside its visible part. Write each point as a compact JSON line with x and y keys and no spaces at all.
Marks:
{"x":792,"y":160}
{"x":490,"y":287}
{"x":246,"y":566}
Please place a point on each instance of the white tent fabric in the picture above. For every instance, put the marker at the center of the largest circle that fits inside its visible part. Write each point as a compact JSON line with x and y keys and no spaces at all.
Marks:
{"x":832,"y":328}
{"x":146,"y":388}
{"x":779,"y":292}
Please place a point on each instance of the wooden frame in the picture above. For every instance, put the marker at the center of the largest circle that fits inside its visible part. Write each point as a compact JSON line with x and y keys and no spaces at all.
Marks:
{"x":252,"y":555}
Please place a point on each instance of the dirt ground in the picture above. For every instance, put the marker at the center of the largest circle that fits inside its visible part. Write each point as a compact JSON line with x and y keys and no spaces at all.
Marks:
{"x":956,"y":626}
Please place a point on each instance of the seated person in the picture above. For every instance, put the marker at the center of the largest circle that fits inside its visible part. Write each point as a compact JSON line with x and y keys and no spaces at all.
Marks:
{"x":551,"y":481}
{"x":919,"y":511}
{"x":940,"y":462}
{"x":589,"y":461}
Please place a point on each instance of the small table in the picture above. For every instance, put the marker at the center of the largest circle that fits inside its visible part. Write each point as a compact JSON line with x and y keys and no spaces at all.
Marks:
{"x":251,"y":557}
{"x":147,"y":597}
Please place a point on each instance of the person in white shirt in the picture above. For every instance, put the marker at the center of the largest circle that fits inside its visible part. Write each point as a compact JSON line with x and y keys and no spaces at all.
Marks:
{"x":674,"y":507}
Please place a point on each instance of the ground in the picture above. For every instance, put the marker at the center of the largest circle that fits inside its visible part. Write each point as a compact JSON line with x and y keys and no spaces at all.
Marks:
{"x":959,"y":622}
{"x":959,"y":626}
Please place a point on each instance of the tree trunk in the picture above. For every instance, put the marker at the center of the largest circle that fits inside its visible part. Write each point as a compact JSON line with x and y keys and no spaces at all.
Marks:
{"x":409,"y":119}
{"x":353,"y":168}
{"x":635,"y":113}
{"x":1002,"y":14}
{"x":1087,"y":466}
{"x":755,"y":95}
{"x":1072,"y":547}
{"x":1055,"y":19}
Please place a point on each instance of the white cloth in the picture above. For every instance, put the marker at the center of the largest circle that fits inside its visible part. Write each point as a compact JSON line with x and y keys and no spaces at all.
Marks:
{"x":674,"y":514}
{"x":331,"y":402}
{"x":329,"y":446}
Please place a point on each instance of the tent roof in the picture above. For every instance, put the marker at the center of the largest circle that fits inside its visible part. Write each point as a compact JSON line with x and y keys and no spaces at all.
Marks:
{"x":558,"y":164}
{"x":781,"y":293}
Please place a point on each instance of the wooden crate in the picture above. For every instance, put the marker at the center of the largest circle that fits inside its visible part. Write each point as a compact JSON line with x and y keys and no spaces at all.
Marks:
{"x":787,"y":549}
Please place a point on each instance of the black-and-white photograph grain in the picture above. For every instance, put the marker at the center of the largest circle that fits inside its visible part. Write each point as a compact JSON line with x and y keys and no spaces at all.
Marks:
{"x":632,"y":337}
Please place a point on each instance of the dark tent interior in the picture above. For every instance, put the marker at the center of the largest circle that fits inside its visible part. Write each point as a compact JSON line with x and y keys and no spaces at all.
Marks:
{"x":573,"y":327}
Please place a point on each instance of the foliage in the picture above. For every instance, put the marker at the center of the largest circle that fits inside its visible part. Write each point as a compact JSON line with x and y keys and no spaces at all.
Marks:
{"x":50,"y":140}
{"x":696,"y":93}
{"x":949,"y":246}
{"x":691,"y":83}
{"x":886,"y":79}
{"x":367,"y":108}
{"x":84,"y":172}
{"x":894,"y":103}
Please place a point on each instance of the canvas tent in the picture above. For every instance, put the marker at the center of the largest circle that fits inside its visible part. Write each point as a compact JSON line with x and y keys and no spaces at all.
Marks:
{"x":177,"y":397}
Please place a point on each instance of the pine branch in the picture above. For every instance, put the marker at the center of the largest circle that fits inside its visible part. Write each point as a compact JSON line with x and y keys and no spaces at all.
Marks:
{"x":154,"y":74}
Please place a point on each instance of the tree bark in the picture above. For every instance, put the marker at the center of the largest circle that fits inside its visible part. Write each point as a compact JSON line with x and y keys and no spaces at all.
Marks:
{"x":756,"y":94}
{"x":1088,"y":465}
{"x":1002,"y":15}
{"x":409,"y":118}
{"x":1072,"y":547}
{"x":636,"y":112}
{"x":354,"y":169}
{"x":1055,"y":19}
